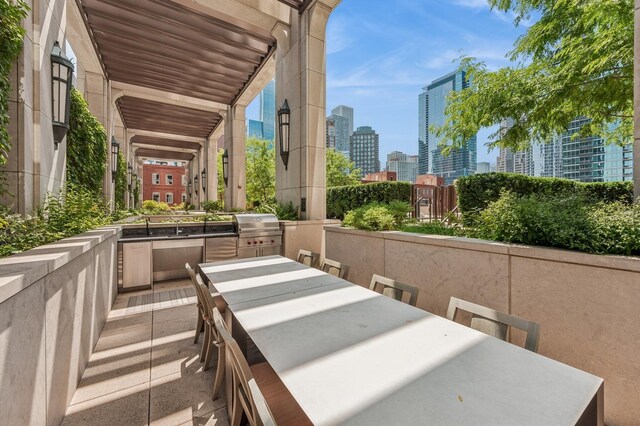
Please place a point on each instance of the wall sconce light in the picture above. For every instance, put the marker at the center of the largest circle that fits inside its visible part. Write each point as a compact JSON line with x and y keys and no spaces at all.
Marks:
{"x":129,"y":175}
{"x":284,"y":121}
{"x":115,"y":150}
{"x":61,"y":80}
{"x":204,"y":180}
{"x":189,"y":188}
{"x":225,"y":167}
{"x":195,"y":183}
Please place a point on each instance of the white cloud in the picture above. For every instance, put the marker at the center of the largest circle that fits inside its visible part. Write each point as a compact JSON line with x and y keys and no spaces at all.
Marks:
{"x":473,"y":4}
{"x":338,"y":37}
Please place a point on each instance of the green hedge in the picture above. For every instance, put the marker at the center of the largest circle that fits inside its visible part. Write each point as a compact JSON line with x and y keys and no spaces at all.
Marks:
{"x":476,"y":192}
{"x":569,"y":222}
{"x":121,"y":183}
{"x":343,"y":199}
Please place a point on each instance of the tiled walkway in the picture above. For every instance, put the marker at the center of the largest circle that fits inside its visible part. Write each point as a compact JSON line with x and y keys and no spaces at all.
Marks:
{"x":145,"y":367}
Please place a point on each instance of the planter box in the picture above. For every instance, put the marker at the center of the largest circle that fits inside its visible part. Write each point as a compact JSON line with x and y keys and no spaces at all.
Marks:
{"x":587,"y":305}
{"x":54,"y":302}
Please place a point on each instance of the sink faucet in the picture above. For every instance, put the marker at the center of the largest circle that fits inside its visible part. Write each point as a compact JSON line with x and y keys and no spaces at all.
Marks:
{"x":178,"y":230}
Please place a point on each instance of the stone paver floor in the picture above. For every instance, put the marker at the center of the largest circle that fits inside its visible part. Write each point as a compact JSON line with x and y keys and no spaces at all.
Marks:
{"x":145,"y":368}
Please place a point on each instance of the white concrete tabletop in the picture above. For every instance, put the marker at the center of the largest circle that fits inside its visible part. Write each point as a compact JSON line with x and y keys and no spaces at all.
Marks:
{"x":352,"y":356}
{"x":243,"y":280}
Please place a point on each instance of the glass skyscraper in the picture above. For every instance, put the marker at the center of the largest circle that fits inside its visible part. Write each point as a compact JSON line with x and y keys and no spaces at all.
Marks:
{"x":432,"y":104}
{"x":268,"y":111}
{"x":338,"y":133}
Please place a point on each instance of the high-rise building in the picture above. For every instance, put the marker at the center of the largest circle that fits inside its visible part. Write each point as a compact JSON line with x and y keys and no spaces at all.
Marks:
{"x":265,"y":127}
{"x":483,"y":167}
{"x":364,"y":150}
{"x":254,"y":129}
{"x":423,"y":132}
{"x":347,"y":112}
{"x":586,"y":159}
{"x":590,"y":159}
{"x":338,"y":133}
{"x":513,"y":161}
{"x":268,"y":111}
{"x":405,"y":166}
{"x":432,"y":104}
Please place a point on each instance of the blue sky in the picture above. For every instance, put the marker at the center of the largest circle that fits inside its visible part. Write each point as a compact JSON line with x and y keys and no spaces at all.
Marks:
{"x":380,"y":53}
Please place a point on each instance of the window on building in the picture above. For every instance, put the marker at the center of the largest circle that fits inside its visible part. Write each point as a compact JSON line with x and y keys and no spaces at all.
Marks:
{"x":184,"y":197}
{"x":169,"y":179}
{"x":155,"y":179}
{"x":156,"y":196}
{"x":169,"y":198}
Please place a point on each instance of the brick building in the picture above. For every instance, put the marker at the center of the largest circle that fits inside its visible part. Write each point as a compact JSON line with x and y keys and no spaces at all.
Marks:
{"x":380,"y":177}
{"x":431,"y":180}
{"x":164,"y":183}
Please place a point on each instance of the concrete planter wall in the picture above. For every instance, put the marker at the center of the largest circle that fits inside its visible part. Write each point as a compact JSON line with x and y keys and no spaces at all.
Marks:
{"x":588,"y":306}
{"x":54,"y":302}
{"x":304,"y":234}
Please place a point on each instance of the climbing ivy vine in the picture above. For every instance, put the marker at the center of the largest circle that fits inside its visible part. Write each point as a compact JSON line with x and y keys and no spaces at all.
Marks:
{"x":121,"y":182}
{"x":11,"y":36}
{"x":86,"y":146}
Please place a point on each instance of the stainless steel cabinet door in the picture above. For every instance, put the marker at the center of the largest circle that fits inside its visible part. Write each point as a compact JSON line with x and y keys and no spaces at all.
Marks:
{"x":221,"y":249}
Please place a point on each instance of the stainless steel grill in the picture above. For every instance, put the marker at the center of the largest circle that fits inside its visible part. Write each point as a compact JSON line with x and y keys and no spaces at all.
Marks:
{"x":259,"y":235}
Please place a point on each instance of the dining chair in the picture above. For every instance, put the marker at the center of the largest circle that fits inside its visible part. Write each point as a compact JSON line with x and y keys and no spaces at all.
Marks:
{"x":308,"y":258}
{"x":335,"y":268}
{"x":495,"y":323}
{"x":394,"y":289}
{"x":257,"y":389}
{"x":214,"y":337}
{"x":201,"y":310}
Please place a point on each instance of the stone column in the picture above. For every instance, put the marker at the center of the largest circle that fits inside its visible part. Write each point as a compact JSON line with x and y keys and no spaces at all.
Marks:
{"x":97,"y":97}
{"x":300,"y":79}
{"x":234,"y":142}
{"x":211,"y":165}
{"x":35,"y":164}
{"x":636,"y":102}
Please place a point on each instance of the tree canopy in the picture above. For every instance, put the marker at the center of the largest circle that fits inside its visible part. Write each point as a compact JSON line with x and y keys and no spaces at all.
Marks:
{"x":261,"y":171}
{"x":340,"y":170}
{"x":576,"y":60}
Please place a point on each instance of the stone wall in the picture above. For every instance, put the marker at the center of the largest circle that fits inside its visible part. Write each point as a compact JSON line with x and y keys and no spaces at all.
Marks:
{"x":306,"y":235}
{"x":586,"y":305}
{"x":54,"y":302}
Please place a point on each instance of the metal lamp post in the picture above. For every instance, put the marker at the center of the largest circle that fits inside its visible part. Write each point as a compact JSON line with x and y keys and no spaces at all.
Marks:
{"x":61,"y":81}
{"x":225,"y":167}
{"x":115,"y":150}
{"x":284,"y":121}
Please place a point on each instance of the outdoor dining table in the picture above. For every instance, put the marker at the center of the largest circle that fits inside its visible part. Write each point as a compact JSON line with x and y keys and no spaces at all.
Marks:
{"x":349,"y":355}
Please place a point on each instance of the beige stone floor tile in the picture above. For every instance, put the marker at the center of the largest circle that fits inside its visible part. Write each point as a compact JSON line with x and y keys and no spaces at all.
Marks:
{"x":216,"y":418}
{"x":117,"y":323}
{"x":177,"y":398}
{"x":170,"y":313}
{"x":105,"y":375}
{"x":122,"y":341}
{"x":126,"y":407}
{"x":171,"y":285}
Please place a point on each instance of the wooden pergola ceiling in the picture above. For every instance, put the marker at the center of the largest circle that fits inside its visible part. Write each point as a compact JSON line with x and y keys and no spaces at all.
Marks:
{"x":166,"y":46}
{"x":141,"y":114}
{"x":165,"y":143}
{"x":158,"y":154}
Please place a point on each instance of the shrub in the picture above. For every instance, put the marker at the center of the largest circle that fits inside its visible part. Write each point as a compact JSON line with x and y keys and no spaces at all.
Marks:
{"x":151,"y":207}
{"x":434,"y":228}
{"x":476,"y":192}
{"x":282,"y":211}
{"x":570,"y":222}
{"x":212,"y":206}
{"x":342,"y":199}
{"x":68,"y":213}
{"x":378,"y":217}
